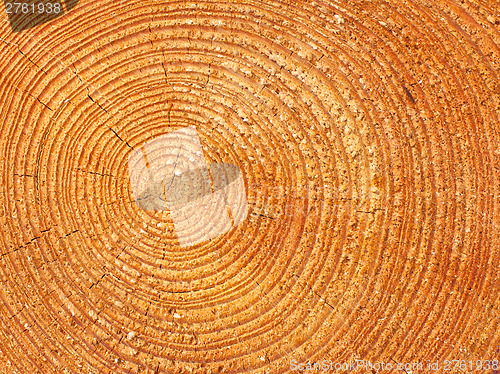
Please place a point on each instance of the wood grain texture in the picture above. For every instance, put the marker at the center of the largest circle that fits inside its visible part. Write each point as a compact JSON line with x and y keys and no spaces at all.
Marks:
{"x":368,"y":138}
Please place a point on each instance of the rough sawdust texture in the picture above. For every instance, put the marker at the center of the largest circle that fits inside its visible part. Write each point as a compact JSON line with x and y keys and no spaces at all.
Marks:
{"x":367,"y":134}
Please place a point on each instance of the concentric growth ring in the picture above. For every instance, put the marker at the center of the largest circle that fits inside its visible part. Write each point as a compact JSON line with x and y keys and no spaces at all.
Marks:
{"x":363,"y":222}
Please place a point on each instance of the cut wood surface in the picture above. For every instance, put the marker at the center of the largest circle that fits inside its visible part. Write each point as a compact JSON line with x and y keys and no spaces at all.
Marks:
{"x":367,"y":137}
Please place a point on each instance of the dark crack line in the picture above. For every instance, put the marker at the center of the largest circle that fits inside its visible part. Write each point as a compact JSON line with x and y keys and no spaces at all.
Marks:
{"x":96,"y":283}
{"x":163,"y":66}
{"x":22,"y":246}
{"x":24,"y":175}
{"x":30,"y":60}
{"x":119,"y":137}
{"x":261,"y":215}
{"x":324,"y":299}
{"x":95,"y":102}
{"x":105,"y":110}
{"x":74,"y":72}
{"x":45,"y":105}
{"x":408,"y":93}
{"x":96,"y":173}
{"x":69,"y":234}
{"x":209,"y":73}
